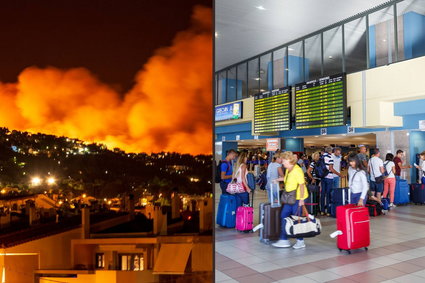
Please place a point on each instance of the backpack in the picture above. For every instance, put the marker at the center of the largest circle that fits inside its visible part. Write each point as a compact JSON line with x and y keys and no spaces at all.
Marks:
{"x":385,"y":174}
{"x":218,"y":171}
{"x":320,"y":168}
{"x":251,"y":181}
{"x":262,"y":180}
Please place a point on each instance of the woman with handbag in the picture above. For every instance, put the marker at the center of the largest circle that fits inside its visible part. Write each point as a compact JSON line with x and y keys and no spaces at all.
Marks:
{"x":293,"y":197}
{"x":242,"y":195}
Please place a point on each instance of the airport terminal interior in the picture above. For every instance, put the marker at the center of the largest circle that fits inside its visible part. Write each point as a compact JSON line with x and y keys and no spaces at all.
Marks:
{"x":301,"y":76}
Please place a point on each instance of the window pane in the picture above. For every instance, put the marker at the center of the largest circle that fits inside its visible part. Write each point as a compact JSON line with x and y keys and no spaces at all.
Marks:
{"x":332,"y":51}
{"x":355,"y":45}
{"x":221,"y":87}
{"x":295,"y":62}
{"x":266,"y":79}
{"x":279,"y":72}
{"x":313,"y":59}
{"x":253,"y":77}
{"x":411,"y":29}
{"x":231,"y":84}
{"x":242,"y":85}
{"x":381,"y":37}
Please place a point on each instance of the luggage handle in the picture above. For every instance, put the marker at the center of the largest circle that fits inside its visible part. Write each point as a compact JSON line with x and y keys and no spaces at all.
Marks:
{"x":304,"y":213}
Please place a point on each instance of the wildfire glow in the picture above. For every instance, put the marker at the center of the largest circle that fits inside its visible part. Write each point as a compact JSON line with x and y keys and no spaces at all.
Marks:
{"x":168,"y":109}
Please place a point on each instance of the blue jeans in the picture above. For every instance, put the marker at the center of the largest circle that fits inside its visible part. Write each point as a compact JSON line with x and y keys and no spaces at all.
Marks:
{"x":242,"y":198}
{"x":288,"y":210}
{"x":336,"y":182}
{"x":355,"y":198}
{"x":223,"y":186}
{"x":423,"y":180}
{"x":325,"y":195}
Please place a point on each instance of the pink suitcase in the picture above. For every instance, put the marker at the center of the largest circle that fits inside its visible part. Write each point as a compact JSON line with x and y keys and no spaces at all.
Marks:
{"x":353,"y":223}
{"x":244,"y":218}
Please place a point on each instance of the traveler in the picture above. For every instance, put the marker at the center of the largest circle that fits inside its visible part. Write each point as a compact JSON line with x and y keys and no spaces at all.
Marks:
{"x":389,"y":182}
{"x":301,"y":163}
{"x":376,"y":170}
{"x":274,"y":171}
{"x":294,"y":181}
{"x":399,"y":163}
{"x":357,"y":180}
{"x":336,"y":156}
{"x":422,"y":168}
{"x":311,"y":173}
{"x":240,"y":175}
{"x":362,"y":155}
{"x":327,"y":182}
{"x":227,"y":170}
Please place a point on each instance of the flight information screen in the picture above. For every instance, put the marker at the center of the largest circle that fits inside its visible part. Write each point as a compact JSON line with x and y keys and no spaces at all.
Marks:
{"x":321,"y":103}
{"x":272,"y":111}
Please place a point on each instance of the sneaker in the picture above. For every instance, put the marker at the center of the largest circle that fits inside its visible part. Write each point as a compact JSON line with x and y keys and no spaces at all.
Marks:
{"x":328,"y":214}
{"x":282,"y":244}
{"x":299,"y":245}
{"x":393,"y":205}
{"x":322,"y":213}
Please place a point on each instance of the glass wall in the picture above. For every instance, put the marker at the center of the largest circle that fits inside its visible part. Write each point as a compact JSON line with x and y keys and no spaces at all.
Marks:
{"x":279,"y":68}
{"x":221,"y":87}
{"x":381,"y":37}
{"x":332,"y":51}
{"x":295,"y":63}
{"x":266,"y":72}
{"x":242,"y":83}
{"x":369,"y":41}
{"x":313,"y":57}
{"x":355,"y":45}
{"x":411,"y":18}
{"x":231,"y":84}
{"x":253,"y":77}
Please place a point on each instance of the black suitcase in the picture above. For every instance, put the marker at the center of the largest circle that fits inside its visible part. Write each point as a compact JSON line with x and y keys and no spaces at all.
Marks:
{"x":417,"y":193}
{"x":312,"y":203}
{"x":270,"y":218}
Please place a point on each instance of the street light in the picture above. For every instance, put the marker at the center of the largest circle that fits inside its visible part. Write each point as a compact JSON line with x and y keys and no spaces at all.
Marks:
{"x":51,"y":181}
{"x":36,"y":181}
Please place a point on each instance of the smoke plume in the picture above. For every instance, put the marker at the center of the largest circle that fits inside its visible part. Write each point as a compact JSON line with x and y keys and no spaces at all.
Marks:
{"x":168,"y":109}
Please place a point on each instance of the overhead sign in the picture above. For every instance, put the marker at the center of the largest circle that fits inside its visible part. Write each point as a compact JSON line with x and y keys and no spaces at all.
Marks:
{"x":321,"y":103}
{"x":323,"y":131}
{"x":421,"y":124}
{"x":272,"y":111}
{"x":350,"y":130}
{"x":230,"y":111}
{"x":272,"y":144}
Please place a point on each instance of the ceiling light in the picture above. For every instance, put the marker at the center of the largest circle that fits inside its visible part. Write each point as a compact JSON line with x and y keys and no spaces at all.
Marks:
{"x":257,"y":79}
{"x":384,"y":40}
{"x":316,"y":136}
{"x":261,"y":7}
{"x":216,"y":34}
{"x":330,"y":57}
{"x":291,"y":49}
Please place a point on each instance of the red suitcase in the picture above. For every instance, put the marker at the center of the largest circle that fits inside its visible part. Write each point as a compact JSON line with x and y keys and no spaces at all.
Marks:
{"x":353,"y":222}
{"x":244,"y":218}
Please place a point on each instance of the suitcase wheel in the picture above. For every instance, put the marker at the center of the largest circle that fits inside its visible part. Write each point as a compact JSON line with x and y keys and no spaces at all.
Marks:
{"x":366,"y":249}
{"x":349,"y":252}
{"x":340,"y":250}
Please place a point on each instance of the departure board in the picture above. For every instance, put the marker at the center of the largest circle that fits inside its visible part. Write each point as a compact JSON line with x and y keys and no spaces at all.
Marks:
{"x":321,"y":103}
{"x":272,"y":111}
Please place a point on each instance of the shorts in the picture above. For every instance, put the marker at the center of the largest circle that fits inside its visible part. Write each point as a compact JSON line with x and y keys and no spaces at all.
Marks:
{"x":374,"y":187}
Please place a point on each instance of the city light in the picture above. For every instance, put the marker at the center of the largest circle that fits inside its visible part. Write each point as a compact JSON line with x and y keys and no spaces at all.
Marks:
{"x":36,"y":181}
{"x":84,"y":195}
{"x":51,"y":181}
{"x":3,"y":191}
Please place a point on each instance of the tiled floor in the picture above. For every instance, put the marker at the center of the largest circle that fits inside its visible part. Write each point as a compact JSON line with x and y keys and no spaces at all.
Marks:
{"x":396,"y":254}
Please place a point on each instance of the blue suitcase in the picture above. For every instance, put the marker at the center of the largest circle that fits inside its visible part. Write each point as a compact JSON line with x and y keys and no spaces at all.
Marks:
{"x":417,"y":193}
{"x":226,"y":212}
{"x":401,"y":194}
{"x":339,"y":196}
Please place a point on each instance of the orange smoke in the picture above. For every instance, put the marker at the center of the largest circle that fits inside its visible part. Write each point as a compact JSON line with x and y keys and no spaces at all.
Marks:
{"x":168,"y":109}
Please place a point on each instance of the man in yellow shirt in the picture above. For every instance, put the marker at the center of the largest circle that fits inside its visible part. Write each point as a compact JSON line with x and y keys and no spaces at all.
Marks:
{"x":294,"y":180}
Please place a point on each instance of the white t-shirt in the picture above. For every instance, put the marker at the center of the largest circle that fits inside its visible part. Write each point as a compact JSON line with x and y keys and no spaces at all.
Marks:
{"x":389,"y":167}
{"x":337,"y":164}
{"x":328,"y":161}
{"x":358,"y":182}
{"x":374,"y":164}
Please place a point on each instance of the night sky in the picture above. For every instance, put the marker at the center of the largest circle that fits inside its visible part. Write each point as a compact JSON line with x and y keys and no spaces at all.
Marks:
{"x":111,"y":38}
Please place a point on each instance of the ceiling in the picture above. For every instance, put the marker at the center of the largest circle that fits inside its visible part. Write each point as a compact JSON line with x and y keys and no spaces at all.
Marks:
{"x":245,"y":28}
{"x":321,"y":141}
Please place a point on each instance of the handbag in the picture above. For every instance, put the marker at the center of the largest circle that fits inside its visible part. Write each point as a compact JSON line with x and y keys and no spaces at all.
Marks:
{"x":289,"y":197}
{"x":234,"y":187}
{"x":302,"y":227}
{"x":378,"y":180}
